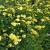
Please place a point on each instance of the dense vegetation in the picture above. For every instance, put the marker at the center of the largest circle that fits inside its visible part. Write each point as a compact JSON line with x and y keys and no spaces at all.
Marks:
{"x":24,"y":24}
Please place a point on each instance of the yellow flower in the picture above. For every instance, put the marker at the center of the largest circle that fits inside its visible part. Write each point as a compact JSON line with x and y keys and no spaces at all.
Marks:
{"x":9,"y":14}
{"x":13,"y":10}
{"x":24,"y":35}
{"x":12,"y":36}
{"x":38,"y":27}
{"x":17,"y":41}
{"x":12,"y":0}
{"x":18,"y":16}
{"x":0,"y":38}
{"x":42,"y":26}
{"x":4,"y":13}
{"x":15,"y":38}
{"x":20,"y":8}
{"x":14,"y":23}
{"x":10,"y":45}
{"x":27,"y":0}
{"x":5,"y":10}
{"x":28,"y":22}
{"x":1,"y":6}
{"x":29,"y":17}
{"x":7,"y":1}
{"x":18,"y":23}
{"x":47,"y":18}
{"x":29,"y":9}
{"x":17,"y":19}
{"x":23,"y":15}
{"x":42,"y":20}
{"x":34,"y":32}
{"x":35,"y":20}
{"x":48,"y":12}
{"x":21,"y":30}
{"x":23,"y":20}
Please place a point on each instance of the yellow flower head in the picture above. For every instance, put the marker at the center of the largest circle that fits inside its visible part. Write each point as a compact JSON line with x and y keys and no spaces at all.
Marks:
{"x":1,"y":6}
{"x":47,"y":18}
{"x":5,"y":10}
{"x":34,"y":20}
{"x":12,"y":0}
{"x":43,"y":26}
{"x":17,"y":19}
{"x":23,"y":15}
{"x":9,"y":14}
{"x":14,"y":38}
{"x":0,"y":38}
{"x":42,"y":20}
{"x":28,"y":22}
{"x":23,"y":20}
{"x":13,"y":23}
{"x":10,"y":45}
{"x":34,"y":32}
{"x":20,"y":8}
{"x":30,"y":18}
{"x":27,"y":0}
{"x":4,"y":13}
{"x":18,"y":16}
{"x":11,"y":8}
{"x":38,"y":27}
{"x":21,"y":30}
{"x":24,"y":35}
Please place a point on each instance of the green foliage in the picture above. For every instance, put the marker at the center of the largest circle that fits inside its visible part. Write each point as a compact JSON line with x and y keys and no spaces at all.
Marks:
{"x":24,"y":25}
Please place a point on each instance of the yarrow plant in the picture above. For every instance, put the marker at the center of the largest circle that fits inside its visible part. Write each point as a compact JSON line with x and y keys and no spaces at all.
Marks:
{"x":24,"y":25}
